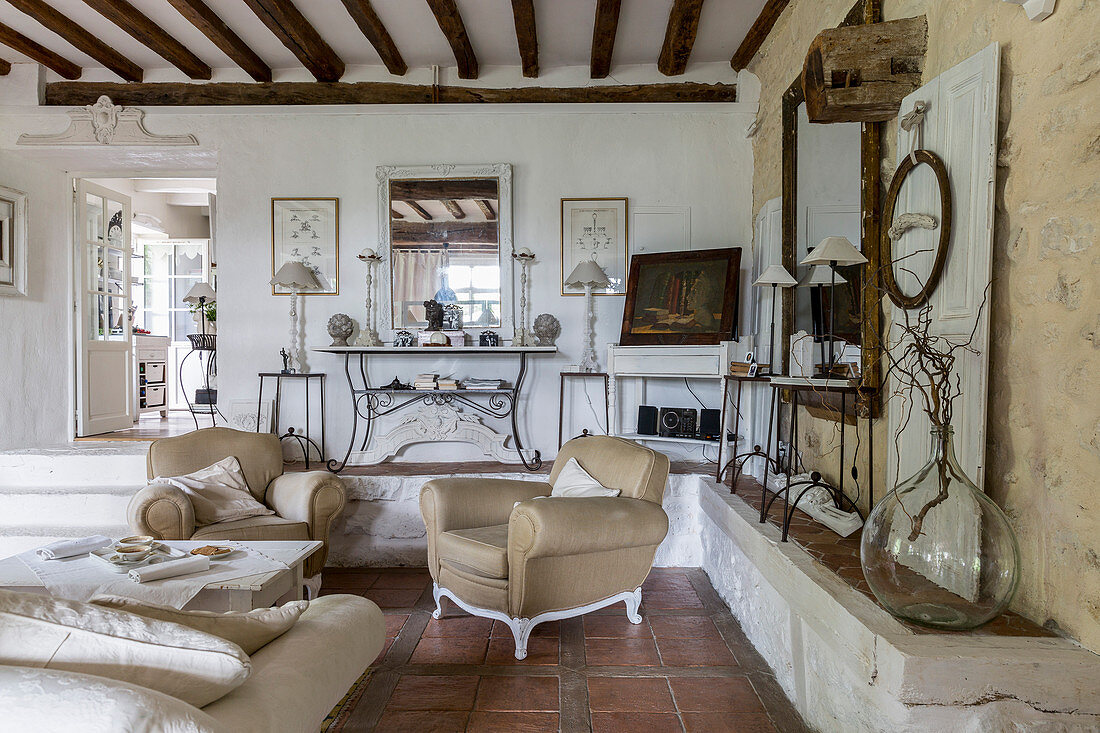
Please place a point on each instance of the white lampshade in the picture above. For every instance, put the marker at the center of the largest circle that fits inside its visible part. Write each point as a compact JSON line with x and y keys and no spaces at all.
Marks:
{"x":200,"y":290}
{"x":834,"y":251}
{"x":587,"y":272}
{"x":821,"y":275}
{"x":775,"y":275}
{"x":296,"y":276}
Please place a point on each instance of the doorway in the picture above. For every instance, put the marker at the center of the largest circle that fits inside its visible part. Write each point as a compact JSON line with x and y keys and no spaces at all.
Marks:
{"x":137,"y":376}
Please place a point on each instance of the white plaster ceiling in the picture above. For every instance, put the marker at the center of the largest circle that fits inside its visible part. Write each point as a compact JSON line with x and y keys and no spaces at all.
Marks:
{"x":564,"y":33}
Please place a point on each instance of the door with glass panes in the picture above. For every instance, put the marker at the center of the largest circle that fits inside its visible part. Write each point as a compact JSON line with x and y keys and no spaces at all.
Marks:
{"x":104,"y":398}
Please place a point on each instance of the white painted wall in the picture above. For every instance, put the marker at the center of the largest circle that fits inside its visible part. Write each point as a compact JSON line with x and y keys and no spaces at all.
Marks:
{"x":656,"y":155}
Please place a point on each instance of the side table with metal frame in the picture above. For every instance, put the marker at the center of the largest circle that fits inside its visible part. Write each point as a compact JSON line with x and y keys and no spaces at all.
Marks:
{"x":738,"y":460}
{"x":563,"y":376}
{"x":305,"y":440}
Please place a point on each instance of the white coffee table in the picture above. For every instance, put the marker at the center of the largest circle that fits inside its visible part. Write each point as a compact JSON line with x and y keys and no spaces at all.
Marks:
{"x":238,"y":594}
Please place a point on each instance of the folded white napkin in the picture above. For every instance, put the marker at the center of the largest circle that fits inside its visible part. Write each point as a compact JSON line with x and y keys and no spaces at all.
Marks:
{"x":170,"y":569}
{"x":71,"y":548}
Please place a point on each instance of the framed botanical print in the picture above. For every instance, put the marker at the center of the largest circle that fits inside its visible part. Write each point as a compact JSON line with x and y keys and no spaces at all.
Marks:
{"x":682,"y":297}
{"x":307,"y":230}
{"x":595,"y":229}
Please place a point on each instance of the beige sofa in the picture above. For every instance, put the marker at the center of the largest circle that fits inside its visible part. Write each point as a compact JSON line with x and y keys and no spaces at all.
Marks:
{"x":295,"y":681}
{"x":305,"y":503}
{"x":547,"y":559}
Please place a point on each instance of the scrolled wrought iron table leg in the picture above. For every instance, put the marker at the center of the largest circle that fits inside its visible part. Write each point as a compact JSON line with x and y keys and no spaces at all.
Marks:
{"x":338,"y":466}
{"x":536,"y":463}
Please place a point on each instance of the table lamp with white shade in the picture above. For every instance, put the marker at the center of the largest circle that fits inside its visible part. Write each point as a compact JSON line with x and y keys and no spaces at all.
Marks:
{"x":589,"y":275}
{"x":818,"y":277}
{"x":833,"y":251}
{"x":201,"y":293}
{"x":296,"y":277}
{"x":778,"y":277}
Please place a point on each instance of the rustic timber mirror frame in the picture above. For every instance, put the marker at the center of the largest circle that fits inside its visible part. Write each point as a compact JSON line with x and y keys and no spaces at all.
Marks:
{"x":865,"y":11}
{"x":450,"y":224}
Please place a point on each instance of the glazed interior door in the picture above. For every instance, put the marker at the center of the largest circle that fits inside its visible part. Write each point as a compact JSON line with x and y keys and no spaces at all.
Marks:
{"x":104,"y":394}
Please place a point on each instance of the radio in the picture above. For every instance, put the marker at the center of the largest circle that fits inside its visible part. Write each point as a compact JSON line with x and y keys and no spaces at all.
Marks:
{"x":677,"y":422}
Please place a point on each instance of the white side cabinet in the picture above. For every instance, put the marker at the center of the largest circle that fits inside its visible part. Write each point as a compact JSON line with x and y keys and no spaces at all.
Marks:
{"x":661,"y":362}
{"x":151,"y":374}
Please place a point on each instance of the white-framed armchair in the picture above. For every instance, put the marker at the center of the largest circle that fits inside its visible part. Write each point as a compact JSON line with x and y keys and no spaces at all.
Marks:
{"x":305,"y":503}
{"x":553,"y":558}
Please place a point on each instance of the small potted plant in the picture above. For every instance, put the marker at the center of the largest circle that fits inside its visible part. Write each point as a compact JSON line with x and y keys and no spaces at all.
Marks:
{"x":210,"y":312}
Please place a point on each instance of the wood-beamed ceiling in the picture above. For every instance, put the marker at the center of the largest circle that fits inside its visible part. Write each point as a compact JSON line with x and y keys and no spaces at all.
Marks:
{"x":5,"y":67}
{"x":192,"y":35}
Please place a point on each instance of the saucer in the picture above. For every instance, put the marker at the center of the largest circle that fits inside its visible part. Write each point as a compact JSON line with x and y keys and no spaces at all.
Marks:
{"x":123,"y":560}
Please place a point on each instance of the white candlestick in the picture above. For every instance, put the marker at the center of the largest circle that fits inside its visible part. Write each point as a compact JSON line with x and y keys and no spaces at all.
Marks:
{"x":588,"y":358}
{"x":368,"y":336}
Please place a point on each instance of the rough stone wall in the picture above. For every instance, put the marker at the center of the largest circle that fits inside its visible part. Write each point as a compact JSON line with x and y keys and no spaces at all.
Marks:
{"x":1043,"y":449}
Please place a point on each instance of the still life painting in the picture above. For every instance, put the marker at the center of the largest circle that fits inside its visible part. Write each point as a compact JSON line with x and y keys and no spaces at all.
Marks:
{"x":681,"y":297}
{"x":307,"y":230}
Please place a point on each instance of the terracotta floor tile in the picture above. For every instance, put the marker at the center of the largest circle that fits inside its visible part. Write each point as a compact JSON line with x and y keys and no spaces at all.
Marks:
{"x":467,"y":626}
{"x":492,"y":722}
{"x":630,"y":695}
{"x":671,"y":599}
{"x":632,"y":722}
{"x":695,"y":653}
{"x":615,"y":609}
{"x":715,"y":695}
{"x":417,"y":580}
{"x":422,"y":721}
{"x":518,"y":694}
{"x":616,"y":652}
{"x":614,"y":627}
{"x":393,"y":598}
{"x":550,"y":629}
{"x":502,"y":650}
{"x":684,"y":627}
{"x":353,"y":580}
{"x":382,"y":654}
{"x":449,"y":650}
{"x":434,"y":692}
{"x":394,"y":623}
{"x":727,"y":723}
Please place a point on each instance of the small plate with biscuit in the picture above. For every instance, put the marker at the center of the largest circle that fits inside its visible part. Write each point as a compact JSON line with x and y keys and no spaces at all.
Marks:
{"x":215,"y":552}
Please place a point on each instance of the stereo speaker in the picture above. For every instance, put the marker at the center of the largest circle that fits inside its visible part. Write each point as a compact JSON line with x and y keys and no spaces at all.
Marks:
{"x":647,"y":420}
{"x":709,"y":428}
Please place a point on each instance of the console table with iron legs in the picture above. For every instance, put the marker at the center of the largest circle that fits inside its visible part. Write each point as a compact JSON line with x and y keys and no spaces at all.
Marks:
{"x":738,"y":460}
{"x":370,"y":403}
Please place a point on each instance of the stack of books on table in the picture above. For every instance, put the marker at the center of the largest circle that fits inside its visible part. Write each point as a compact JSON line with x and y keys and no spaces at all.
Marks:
{"x":447,"y":383}
{"x":483,"y":384}
{"x":425,"y":381}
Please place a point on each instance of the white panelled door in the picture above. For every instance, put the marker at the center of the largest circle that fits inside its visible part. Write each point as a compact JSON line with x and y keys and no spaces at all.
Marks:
{"x":960,"y":126}
{"x":104,"y":392}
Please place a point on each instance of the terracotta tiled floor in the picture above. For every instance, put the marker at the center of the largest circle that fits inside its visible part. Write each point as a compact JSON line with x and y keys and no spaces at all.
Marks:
{"x":687,"y":667}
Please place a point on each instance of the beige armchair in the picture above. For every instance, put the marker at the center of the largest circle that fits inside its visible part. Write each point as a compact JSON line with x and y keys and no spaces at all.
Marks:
{"x":305,"y":503}
{"x":553,"y":558}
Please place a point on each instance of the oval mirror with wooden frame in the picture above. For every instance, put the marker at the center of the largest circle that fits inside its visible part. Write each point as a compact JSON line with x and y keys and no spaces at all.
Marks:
{"x":889,"y":281}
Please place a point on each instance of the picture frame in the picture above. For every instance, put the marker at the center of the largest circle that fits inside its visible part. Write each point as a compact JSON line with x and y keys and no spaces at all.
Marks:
{"x":307,"y":229}
{"x":13,"y":242}
{"x":595,"y":228}
{"x":682,"y":298}
{"x":244,"y":416}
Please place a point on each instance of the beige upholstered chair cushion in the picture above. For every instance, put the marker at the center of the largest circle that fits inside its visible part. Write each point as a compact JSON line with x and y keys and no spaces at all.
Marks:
{"x":485,"y":549}
{"x":42,"y":631}
{"x":250,"y":630}
{"x":271,"y":527}
{"x":260,"y":454}
{"x":637,"y":471}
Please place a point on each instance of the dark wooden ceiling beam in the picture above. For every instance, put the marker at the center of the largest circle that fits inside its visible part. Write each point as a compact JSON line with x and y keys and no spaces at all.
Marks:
{"x":16,"y":41}
{"x":151,"y":35}
{"x":420,"y":210}
{"x":486,"y":209}
{"x":450,"y":22}
{"x":362,"y":12}
{"x":523,"y":13}
{"x":454,"y":209}
{"x":69,"y":93}
{"x":199,"y":14}
{"x":442,"y":189}
{"x":291,"y":27}
{"x":443,"y":232}
{"x":80,"y":38}
{"x":604,"y":29}
{"x":683,"y":25}
{"x":395,"y":214}
{"x":5,"y":68}
{"x":757,"y":33}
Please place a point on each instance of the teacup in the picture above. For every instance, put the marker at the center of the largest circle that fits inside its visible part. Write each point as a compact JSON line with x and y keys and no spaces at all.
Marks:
{"x":133,"y":553}
{"x":138,"y":539}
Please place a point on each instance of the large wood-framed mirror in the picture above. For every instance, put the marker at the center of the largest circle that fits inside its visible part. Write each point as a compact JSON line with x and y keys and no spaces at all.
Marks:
{"x":831,"y":180}
{"x":445,"y":234}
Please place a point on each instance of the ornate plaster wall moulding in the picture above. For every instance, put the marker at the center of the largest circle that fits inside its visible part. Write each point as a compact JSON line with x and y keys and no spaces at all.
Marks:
{"x":107,"y":123}
{"x":1037,"y":10}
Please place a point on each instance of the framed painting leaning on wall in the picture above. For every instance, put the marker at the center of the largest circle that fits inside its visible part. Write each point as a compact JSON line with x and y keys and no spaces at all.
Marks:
{"x":595,"y":229}
{"x":307,"y":230}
